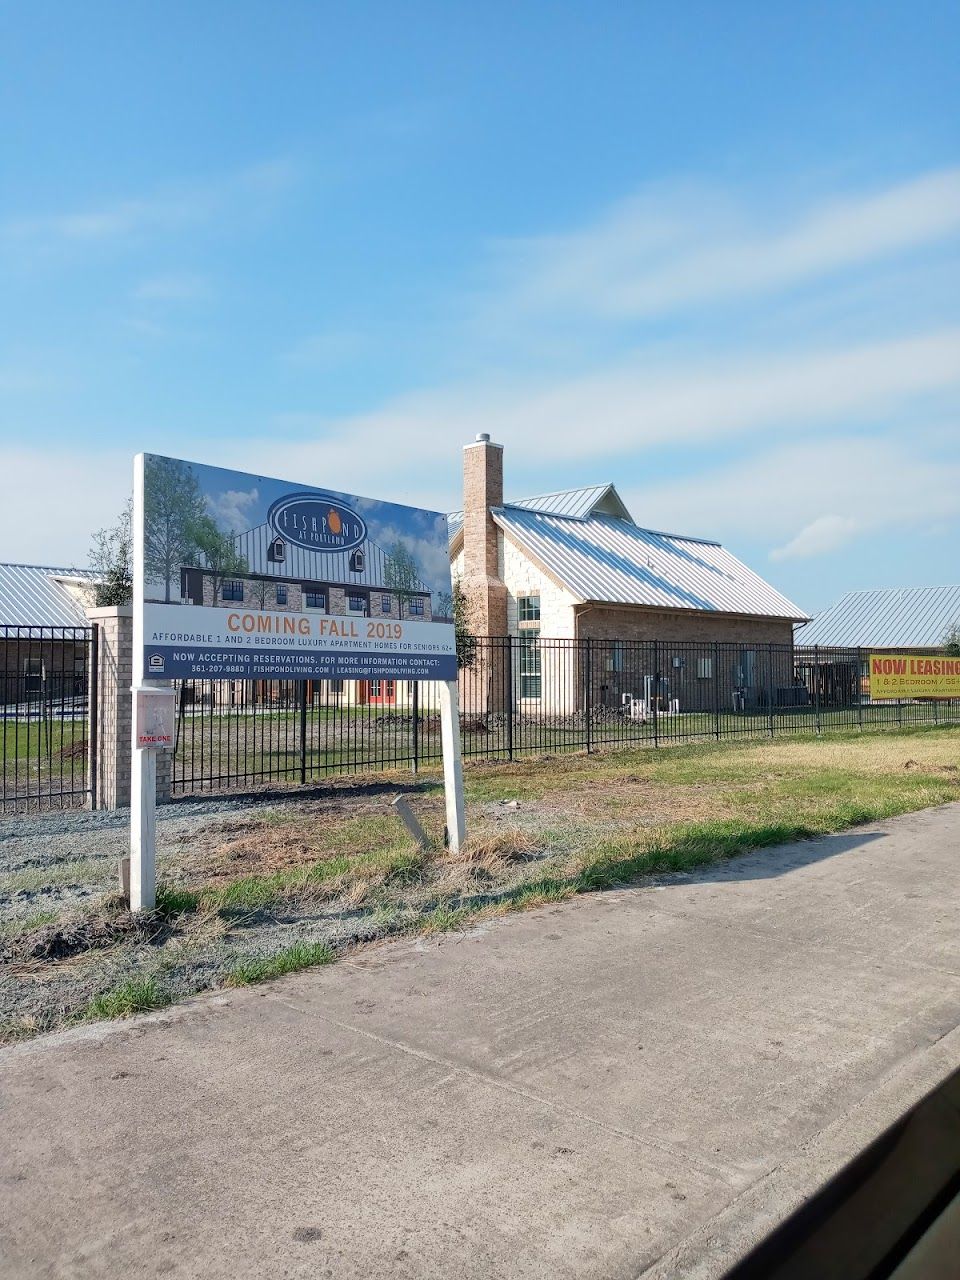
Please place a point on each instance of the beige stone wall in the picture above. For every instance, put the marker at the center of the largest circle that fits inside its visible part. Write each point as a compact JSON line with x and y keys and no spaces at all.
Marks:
{"x":115,"y":711}
{"x":522,"y":578}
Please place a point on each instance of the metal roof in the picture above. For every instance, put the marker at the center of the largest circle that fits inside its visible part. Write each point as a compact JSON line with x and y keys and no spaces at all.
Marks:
{"x":891,"y":618}
{"x":31,"y":596}
{"x":300,"y":562}
{"x":612,"y":561}
{"x":577,"y":504}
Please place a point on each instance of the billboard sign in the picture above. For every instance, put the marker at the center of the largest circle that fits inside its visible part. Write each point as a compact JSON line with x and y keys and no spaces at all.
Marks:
{"x":245,"y":577}
{"x":913,"y":675}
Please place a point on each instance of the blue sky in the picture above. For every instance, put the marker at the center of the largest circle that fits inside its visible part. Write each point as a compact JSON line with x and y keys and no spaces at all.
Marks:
{"x":709,"y":252}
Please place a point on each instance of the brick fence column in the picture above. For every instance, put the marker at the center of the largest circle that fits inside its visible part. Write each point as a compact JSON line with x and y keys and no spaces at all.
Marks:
{"x":115,"y":710}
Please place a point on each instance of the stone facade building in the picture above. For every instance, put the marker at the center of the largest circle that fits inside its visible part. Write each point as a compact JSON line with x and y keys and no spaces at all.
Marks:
{"x":575,"y":566}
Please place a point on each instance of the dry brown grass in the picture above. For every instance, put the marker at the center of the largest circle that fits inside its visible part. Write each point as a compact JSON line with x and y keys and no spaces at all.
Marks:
{"x":873,"y":753}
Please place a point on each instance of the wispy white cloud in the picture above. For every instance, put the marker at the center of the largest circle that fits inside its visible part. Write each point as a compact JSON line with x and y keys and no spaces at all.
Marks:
{"x":326,"y":350}
{"x":177,"y":286}
{"x":790,"y":494}
{"x":168,"y":209}
{"x":675,"y":246}
{"x":620,"y":412}
{"x":826,"y":533}
{"x":231,"y":509}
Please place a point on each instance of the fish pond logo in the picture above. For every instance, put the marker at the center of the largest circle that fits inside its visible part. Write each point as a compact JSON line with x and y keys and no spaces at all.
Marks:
{"x":316,"y":522}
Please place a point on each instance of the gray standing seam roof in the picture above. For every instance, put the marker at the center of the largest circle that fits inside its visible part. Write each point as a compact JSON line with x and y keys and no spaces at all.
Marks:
{"x":888,"y":618}
{"x":30,"y":596}
{"x":612,"y":561}
{"x":300,"y":562}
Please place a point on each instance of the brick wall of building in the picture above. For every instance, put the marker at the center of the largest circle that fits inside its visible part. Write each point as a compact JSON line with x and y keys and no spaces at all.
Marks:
{"x":619,"y":623}
{"x":481,"y":577}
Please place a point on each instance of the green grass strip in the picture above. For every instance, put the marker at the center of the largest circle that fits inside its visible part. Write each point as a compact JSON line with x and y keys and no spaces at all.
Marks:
{"x":300,"y":955}
{"x":135,"y":995}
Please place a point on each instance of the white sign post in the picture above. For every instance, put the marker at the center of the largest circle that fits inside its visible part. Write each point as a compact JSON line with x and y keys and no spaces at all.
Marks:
{"x":452,"y":764}
{"x":245,"y":577}
{"x":143,"y":763}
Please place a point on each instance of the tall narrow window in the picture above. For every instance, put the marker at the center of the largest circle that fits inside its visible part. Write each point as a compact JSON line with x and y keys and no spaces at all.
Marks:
{"x":530,"y":664}
{"x":281,"y":593}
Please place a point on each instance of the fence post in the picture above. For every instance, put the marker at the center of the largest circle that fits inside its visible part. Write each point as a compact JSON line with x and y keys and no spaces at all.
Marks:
{"x":416,"y":727}
{"x":816,"y":685}
{"x":770,"y":687}
{"x":508,"y":676}
{"x":656,"y":693}
{"x":860,"y":688}
{"x":303,"y":730}
{"x":93,"y":711}
{"x":588,"y":692}
{"x":716,"y":689}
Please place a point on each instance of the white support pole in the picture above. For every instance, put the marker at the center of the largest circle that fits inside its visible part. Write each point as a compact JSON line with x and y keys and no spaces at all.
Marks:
{"x":143,"y":764}
{"x":452,"y":763}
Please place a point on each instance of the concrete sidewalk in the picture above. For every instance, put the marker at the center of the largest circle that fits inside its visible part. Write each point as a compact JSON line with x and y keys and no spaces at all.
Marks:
{"x":638,"y":1082}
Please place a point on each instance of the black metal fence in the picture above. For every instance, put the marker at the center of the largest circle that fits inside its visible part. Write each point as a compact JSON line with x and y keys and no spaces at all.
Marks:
{"x":47,"y":717}
{"x":527,"y":695}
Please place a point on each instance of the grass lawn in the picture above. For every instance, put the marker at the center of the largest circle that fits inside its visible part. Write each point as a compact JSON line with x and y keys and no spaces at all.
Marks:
{"x":313,"y":877}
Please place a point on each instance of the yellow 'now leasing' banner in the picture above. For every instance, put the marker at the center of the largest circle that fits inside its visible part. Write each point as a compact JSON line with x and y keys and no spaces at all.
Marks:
{"x":912,"y":675}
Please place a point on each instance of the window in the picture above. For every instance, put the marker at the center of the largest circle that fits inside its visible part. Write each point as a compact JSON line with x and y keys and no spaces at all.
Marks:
{"x":386,"y":603}
{"x":281,"y":593}
{"x":33,"y":673}
{"x":530,"y":664}
{"x":528,"y":608}
{"x":704,"y":668}
{"x":315,"y":600}
{"x":356,"y":604}
{"x":375,"y":689}
{"x":747,"y":671}
{"x":415,"y":607}
{"x":232,"y":589}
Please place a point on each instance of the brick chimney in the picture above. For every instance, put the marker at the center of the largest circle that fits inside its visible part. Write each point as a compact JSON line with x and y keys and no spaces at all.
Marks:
{"x":483,"y":489}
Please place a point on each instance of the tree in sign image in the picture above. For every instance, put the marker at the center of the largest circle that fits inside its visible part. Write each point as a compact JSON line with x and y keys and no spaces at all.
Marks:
{"x":220,"y":555}
{"x":173,"y":506}
{"x":400,"y":571}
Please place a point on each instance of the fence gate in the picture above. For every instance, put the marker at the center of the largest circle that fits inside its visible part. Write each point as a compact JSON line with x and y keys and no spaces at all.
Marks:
{"x":48,"y":721}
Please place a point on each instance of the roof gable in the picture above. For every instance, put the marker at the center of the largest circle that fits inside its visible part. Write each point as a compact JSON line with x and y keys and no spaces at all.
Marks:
{"x":579,"y":504}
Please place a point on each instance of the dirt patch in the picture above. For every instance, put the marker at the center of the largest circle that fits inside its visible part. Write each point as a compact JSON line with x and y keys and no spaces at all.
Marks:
{"x":320,"y":832}
{"x":644,"y":802}
{"x":948,"y":769}
{"x":71,"y":935}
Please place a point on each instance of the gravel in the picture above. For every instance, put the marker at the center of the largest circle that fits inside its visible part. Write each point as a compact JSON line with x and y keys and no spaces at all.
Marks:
{"x":65,"y":938}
